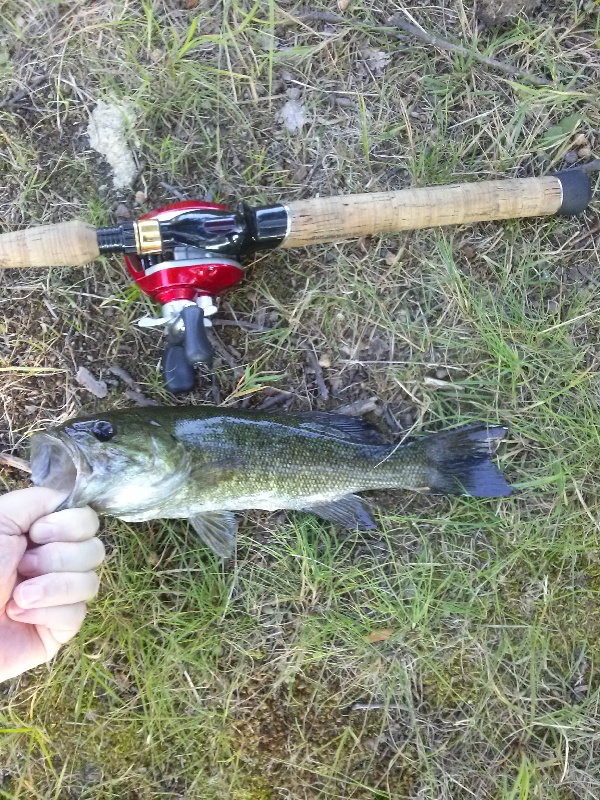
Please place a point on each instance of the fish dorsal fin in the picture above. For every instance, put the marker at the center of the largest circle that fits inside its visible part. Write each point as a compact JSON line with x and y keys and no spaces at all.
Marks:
{"x":339,"y":426}
{"x":216,"y":529}
{"x":348,"y":512}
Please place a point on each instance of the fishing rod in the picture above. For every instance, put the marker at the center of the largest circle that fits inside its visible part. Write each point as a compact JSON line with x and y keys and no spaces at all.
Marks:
{"x":184,"y":254}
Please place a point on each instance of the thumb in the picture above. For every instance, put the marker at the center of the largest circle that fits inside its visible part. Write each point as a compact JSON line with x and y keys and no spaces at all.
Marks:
{"x":18,"y":511}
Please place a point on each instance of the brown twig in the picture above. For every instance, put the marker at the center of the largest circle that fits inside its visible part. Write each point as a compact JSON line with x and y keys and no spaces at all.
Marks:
{"x":215,"y":390}
{"x":316,"y":368}
{"x":173,"y":190}
{"x":276,"y":399}
{"x":584,"y":235}
{"x":140,"y":399}
{"x":14,"y":462}
{"x":444,"y":44}
{"x":320,"y":16}
{"x":220,"y":348}
{"x":123,"y":375}
{"x":358,"y":407}
{"x":235,"y":323}
{"x":434,"y":41}
{"x":591,"y":166}
{"x":15,"y":98}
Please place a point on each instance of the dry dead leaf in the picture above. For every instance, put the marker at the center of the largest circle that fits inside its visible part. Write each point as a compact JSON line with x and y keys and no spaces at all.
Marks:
{"x":435,"y":383}
{"x":380,"y":635}
{"x":85,"y":378}
{"x":358,"y":407}
{"x":376,"y":61}
{"x":293,"y":115}
{"x":580,"y":140}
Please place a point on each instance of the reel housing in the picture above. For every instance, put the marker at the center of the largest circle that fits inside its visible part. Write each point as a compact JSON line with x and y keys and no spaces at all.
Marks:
{"x":185,"y":280}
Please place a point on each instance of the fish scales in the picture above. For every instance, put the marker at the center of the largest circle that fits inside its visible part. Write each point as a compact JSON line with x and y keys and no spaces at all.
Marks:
{"x":238,"y":457}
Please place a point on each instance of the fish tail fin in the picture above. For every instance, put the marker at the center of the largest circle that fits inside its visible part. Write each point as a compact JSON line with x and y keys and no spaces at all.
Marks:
{"x":459,"y":461}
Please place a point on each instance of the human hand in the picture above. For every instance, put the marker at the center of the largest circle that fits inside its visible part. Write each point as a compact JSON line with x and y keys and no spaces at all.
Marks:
{"x":43,"y":590}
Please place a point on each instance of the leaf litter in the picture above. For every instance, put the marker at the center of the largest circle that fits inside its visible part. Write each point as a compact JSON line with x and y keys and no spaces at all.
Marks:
{"x":293,"y":114}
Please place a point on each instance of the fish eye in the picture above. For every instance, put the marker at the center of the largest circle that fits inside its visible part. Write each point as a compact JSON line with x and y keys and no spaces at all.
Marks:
{"x":103,"y":430}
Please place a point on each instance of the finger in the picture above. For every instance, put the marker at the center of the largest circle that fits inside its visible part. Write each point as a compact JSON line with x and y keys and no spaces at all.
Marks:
{"x":62,"y":636}
{"x":56,"y":589}
{"x":20,"y":509}
{"x":11,"y":553}
{"x":70,"y":525}
{"x":62,"y":557}
{"x":52,"y":640}
{"x":57,"y":618}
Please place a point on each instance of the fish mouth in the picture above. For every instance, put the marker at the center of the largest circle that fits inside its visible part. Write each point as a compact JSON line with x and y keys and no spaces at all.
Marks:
{"x":56,"y":464}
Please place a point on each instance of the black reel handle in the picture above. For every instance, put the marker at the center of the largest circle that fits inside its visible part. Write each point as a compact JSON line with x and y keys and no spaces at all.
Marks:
{"x":179,"y":375}
{"x":198,"y":350}
{"x":185,"y":351}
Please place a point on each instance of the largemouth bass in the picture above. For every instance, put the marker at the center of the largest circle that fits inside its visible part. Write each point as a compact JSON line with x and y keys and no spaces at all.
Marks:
{"x":202,"y":463}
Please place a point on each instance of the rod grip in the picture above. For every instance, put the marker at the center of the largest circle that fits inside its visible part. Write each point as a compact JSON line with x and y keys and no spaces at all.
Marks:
{"x":331,"y":219}
{"x":66,"y":244}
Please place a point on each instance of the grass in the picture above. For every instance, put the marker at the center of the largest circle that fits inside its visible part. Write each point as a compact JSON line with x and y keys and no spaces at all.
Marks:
{"x":258,"y":680}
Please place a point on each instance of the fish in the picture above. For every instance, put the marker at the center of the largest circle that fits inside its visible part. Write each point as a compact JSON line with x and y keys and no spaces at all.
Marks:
{"x":203,"y":463}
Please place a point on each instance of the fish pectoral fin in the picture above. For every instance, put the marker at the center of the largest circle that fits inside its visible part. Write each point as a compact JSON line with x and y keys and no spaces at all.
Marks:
{"x":216,"y":529}
{"x":349,"y":512}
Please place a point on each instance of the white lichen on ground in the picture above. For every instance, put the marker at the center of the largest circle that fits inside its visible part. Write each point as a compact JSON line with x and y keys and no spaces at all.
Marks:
{"x":108,"y":130}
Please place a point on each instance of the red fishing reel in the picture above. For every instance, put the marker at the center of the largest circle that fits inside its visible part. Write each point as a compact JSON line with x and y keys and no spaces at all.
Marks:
{"x":185,"y":281}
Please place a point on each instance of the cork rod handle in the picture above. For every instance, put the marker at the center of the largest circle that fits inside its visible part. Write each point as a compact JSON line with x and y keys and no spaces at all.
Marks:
{"x":331,"y":219}
{"x":67,"y":244}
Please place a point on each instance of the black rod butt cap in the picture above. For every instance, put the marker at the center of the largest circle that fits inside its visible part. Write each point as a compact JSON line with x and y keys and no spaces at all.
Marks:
{"x":577,"y":191}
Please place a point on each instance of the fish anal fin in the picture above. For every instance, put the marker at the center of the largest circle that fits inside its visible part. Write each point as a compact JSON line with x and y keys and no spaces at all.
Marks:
{"x":216,"y":529}
{"x":339,"y":426}
{"x":348,"y":512}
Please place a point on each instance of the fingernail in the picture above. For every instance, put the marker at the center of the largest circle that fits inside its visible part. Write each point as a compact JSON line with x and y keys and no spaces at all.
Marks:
{"x":29,"y":595}
{"x":43,"y":532}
